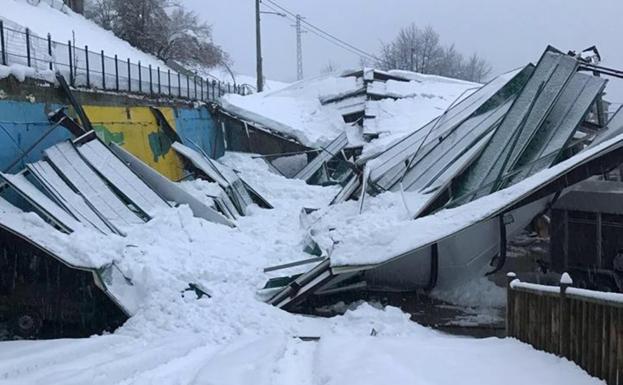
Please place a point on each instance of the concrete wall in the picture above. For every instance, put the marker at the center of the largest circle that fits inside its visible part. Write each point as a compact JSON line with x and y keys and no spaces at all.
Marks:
{"x":125,"y":120}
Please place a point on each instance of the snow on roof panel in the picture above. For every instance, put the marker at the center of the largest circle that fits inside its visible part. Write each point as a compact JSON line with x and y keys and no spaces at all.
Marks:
{"x":77,"y":172}
{"x":120,"y":176}
{"x":355,"y":248}
{"x":71,"y":201}
{"x":41,"y":202}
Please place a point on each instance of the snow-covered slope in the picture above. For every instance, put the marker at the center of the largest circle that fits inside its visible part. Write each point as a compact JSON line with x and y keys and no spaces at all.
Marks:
{"x":67,"y":25}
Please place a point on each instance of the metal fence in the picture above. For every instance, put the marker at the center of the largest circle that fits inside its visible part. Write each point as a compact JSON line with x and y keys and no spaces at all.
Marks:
{"x":88,"y":69}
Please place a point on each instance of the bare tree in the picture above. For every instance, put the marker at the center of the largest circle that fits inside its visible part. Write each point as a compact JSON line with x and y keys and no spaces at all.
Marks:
{"x":161,"y":27}
{"x":420,"y":50}
{"x":329,"y":67}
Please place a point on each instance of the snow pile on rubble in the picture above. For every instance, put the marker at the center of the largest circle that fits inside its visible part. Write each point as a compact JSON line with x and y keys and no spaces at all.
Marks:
{"x":393,"y":108}
{"x":296,"y":110}
{"x":233,"y":337}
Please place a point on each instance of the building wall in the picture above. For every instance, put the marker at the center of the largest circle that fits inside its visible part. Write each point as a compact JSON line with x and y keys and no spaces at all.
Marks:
{"x":22,"y":124}
{"x":124,"y":120}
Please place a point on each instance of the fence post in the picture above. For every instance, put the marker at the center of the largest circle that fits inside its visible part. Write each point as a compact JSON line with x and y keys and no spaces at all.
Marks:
{"x":86,"y":62}
{"x":169,"y":80}
{"x":116,"y":73}
{"x":103,"y":57}
{"x":71,"y":64}
{"x":50,"y":51}
{"x":2,"y":42}
{"x":565,"y":282}
{"x":187,"y":87}
{"x":510,"y":332}
{"x":151,"y":82}
{"x":179,"y":85}
{"x":214,"y":90}
{"x":140,"y":78}
{"x":129,"y":76}
{"x":28,"y":46}
{"x":195,"y":85}
{"x":159,"y":88}
{"x":201,"y":86}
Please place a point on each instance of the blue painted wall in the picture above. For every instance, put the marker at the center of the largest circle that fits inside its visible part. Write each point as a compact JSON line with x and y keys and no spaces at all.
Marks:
{"x":197,"y":127}
{"x":21,"y":125}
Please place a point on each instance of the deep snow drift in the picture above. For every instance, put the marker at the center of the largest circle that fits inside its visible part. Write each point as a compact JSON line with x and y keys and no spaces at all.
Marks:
{"x":235,"y":338}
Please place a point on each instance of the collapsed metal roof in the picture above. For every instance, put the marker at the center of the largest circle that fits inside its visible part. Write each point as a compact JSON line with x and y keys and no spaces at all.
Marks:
{"x":481,"y":171}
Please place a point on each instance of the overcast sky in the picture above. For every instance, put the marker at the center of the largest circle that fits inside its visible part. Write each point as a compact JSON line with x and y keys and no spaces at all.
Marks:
{"x":506,"y":33}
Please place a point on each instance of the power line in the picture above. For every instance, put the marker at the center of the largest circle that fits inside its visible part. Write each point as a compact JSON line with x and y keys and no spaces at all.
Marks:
{"x":324,"y":34}
{"x":320,"y":35}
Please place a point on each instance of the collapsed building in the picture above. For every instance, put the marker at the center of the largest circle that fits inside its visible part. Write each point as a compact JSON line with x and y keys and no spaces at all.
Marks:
{"x":85,"y":183}
{"x":471,"y":178}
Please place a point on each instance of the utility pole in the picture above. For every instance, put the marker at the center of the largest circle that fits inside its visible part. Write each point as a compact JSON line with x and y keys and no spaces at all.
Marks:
{"x":258,"y":48}
{"x":299,"y":49}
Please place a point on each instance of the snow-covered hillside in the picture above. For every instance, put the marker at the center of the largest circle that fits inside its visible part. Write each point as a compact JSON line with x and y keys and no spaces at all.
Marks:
{"x":50,"y":16}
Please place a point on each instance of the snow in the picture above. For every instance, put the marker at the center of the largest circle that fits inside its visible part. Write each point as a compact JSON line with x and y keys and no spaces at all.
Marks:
{"x":517,"y":284}
{"x":21,"y":72}
{"x":233,"y":337}
{"x":296,"y":110}
{"x":565,"y":279}
{"x":303,"y":110}
{"x":599,"y":295}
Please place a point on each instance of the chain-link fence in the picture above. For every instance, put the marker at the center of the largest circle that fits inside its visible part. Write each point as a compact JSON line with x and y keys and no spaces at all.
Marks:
{"x":85,"y":68}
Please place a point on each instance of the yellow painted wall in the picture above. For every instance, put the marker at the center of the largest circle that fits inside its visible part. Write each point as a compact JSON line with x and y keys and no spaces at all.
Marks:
{"x":136,"y":129}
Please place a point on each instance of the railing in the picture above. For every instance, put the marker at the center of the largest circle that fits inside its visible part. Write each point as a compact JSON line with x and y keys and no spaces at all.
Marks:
{"x":96,"y":70}
{"x":584,"y":326}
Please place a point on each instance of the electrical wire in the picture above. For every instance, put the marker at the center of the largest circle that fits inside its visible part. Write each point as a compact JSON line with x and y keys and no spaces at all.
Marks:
{"x":309,"y":27}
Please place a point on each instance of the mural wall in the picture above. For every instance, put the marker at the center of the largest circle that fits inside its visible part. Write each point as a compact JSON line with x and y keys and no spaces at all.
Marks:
{"x":24,"y":124}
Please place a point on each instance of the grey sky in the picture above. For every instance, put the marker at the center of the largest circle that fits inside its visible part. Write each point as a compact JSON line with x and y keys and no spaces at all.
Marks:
{"x":507,"y":33}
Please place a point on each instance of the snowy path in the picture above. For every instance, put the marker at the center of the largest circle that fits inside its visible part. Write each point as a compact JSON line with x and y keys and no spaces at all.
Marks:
{"x":427,"y":358}
{"x":234,"y":338}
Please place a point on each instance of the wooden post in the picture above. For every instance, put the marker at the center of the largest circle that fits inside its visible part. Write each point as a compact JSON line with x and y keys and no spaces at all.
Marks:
{"x":510,"y":277}
{"x":140,"y":78}
{"x":71,"y":64}
{"x":565,"y":282}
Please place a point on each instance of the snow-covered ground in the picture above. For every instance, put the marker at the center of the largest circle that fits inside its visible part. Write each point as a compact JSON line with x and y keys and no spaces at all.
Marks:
{"x":235,"y":338}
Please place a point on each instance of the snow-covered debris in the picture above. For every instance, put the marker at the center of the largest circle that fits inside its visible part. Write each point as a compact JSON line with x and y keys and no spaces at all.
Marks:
{"x":316,"y":111}
{"x":233,"y":337}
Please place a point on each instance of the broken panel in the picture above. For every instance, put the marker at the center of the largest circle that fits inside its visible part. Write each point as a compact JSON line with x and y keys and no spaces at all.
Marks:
{"x":47,"y":207}
{"x":83,"y":179}
{"x":66,"y":197}
{"x":525,"y":116}
{"x":560,"y":125}
{"x":392,"y":163}
{"x":121,"y":177}
{"x":327,"y":153}
{"x":452,"y":147}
